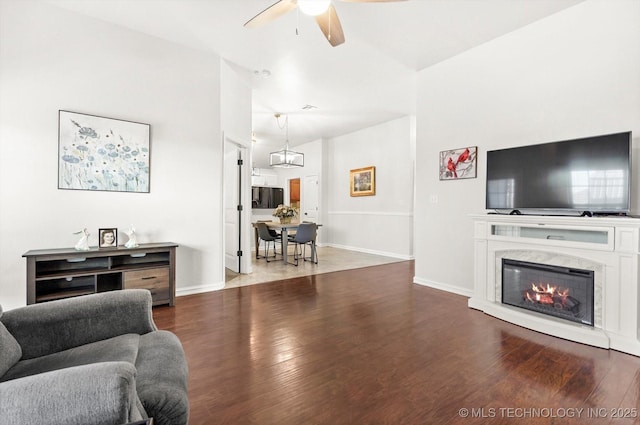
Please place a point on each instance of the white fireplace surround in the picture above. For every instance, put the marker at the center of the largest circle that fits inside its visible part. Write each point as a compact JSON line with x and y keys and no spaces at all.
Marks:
{"x":607,"y":245}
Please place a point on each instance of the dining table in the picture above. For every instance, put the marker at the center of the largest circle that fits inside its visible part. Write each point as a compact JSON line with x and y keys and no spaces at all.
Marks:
{"x":284,"y":229}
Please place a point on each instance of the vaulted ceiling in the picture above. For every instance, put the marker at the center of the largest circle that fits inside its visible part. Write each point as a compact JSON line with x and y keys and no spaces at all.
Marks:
{"x":367,"y":80}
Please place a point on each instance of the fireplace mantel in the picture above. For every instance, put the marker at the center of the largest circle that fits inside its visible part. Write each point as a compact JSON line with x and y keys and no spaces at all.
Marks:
{"x":607,"y":245}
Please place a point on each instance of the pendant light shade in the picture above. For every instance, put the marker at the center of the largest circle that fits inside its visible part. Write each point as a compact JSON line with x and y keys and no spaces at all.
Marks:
{"x":286,"y":158}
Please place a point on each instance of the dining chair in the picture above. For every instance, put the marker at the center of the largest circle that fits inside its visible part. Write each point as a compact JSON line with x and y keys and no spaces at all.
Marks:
{"x":305,"y":235}
{"x":267,"y":237}
{"x":272,"y":232}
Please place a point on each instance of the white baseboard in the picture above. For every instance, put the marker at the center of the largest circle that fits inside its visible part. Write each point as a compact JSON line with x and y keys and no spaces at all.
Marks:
{"x":371,"y":251}
{"x":199,"y":289}
{"x":443,"y":286}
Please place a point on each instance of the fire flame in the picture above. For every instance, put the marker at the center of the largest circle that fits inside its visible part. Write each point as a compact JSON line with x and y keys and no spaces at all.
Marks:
{"x":546,"y":294}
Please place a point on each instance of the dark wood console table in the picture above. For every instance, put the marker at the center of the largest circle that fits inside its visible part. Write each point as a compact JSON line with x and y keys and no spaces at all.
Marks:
{"x":61,"y":273}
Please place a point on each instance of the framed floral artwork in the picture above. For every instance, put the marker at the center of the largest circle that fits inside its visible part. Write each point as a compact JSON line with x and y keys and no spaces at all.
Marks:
{"x":363,"y":181}
{"x":458,"y":163}
{"x":106,"y":154}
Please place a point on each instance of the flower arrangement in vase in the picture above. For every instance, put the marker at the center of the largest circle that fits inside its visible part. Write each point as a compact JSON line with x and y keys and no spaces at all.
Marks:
{"x":285,"y":213}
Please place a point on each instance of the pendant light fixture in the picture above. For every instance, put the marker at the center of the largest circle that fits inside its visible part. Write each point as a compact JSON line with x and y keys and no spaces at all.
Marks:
{"x":286,"y":158}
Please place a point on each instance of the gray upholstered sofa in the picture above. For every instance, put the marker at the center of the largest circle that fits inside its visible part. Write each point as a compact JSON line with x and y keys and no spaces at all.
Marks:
{"x":96,"y":359}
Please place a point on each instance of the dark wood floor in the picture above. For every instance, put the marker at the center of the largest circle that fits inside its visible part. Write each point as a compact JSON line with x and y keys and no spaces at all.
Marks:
{"x":367,"y":346}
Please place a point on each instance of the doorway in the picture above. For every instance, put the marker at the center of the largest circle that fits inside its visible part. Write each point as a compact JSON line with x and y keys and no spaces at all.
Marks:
{"x":294,"y":193}
{"x":234,"y":194}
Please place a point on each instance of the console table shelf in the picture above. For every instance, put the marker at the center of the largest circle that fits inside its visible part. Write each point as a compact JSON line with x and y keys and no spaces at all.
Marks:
{"x":62,"y":273}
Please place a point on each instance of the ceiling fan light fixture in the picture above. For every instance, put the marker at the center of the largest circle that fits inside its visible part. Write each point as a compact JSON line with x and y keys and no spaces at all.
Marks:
{"x":313,"y":7}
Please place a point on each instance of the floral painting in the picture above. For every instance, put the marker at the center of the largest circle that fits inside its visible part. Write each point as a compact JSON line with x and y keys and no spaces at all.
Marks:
{"x":97,"y":153}
{"x":458,"y":163}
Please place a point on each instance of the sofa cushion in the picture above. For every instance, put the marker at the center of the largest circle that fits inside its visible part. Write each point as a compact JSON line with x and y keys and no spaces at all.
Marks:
{"x":123,"y":348}
{"x":10,"y":351}
{"x":101,"y":393}
{"x":162,"y":389}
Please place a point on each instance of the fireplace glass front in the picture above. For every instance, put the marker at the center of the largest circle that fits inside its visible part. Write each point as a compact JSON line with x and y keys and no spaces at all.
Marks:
{"x":562,"y":292}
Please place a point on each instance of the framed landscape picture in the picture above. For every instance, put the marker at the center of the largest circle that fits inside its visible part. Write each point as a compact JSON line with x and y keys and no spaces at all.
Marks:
{"x":458,"y":163}
{"x":363,"y":181}
{"x":98,"y":153}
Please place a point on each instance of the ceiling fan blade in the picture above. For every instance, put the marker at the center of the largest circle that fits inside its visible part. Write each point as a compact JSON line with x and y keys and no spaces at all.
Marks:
{"x":330,"y":26}
{"x":271,"y":13}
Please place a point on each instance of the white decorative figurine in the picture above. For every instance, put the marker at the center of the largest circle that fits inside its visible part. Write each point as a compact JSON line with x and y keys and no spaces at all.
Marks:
{"x":133,"y":240}
{"x":83,"y":243}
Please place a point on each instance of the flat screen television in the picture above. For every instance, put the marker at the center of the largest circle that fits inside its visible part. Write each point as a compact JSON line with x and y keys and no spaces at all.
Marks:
{"x":587,"y":175}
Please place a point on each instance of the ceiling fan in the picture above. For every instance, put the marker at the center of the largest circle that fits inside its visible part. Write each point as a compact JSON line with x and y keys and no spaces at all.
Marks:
{"x":323,"y":10}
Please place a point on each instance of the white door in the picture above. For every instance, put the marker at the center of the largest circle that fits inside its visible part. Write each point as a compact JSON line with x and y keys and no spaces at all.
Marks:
{"x":309,"y":199}
{"x":232,"y":154}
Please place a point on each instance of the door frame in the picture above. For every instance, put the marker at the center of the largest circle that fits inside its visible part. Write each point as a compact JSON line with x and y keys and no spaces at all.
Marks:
{"x":244,"y":222}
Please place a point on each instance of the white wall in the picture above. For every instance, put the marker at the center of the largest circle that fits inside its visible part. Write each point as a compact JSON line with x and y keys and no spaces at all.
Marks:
{"x":52,"y":59}
{"x":380,"y":224}
{"x":573,"y":74}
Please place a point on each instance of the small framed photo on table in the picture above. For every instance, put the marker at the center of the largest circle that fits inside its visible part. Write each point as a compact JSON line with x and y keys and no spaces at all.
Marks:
{"x":108,"y":237}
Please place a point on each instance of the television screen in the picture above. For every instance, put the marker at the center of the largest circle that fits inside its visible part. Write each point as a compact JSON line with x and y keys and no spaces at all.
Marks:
{"x":586,"y":175}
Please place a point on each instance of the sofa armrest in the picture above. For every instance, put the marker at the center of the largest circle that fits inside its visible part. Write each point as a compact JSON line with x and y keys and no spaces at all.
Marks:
{"x":47,"y":328}
{"x":99,"y":393}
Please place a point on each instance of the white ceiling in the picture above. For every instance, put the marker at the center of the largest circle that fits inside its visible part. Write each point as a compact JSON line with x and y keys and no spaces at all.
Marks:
{"x":367,"y":80}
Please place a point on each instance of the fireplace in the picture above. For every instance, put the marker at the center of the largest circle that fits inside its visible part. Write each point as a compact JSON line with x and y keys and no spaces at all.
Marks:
{"x":605,"y":249}
{"x":562,"y":292}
